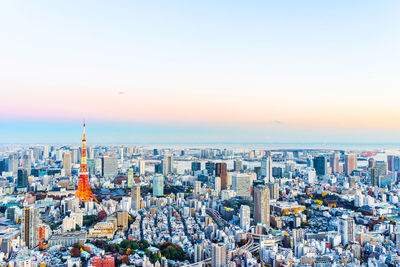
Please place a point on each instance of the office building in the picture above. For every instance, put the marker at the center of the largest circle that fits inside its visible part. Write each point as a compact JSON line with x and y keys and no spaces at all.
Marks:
{"x":320,"y":164}
{"x":241,"y":184}
{"x":13,"y":163}
{"x":67,"y":163}
{"x":158,"y":185}
{"x":350,"y":163}
{"x":210,"y":167}
{"x":109,"y":166}
{"x":168,"y":164}
{"x":273,"y":190}
{"x":218,"y":255}
{"x":220,"y":171}
{"x":266,"y":168}
{"x":334,"y":162}
{"x":30,"y":227}
{"x":135,"y":197}
{"x":196,"y":166}
{"x":381,"y":168}
{"x":346,"y":229}
{"x":130,"y":180}
{"x":245,"y":217}
{"x":261,"y":205}
{"x":238,"y":165}
{"x":22,"y":178}
{"x":122,"y":220}
{"x":26,"y":163}
{"x":142,"y":167}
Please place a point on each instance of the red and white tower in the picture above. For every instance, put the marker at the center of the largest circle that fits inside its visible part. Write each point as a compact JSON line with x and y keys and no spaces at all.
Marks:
{"x":84,"y":193}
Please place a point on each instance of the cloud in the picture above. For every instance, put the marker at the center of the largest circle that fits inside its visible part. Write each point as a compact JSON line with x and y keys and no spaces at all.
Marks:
{"x":121,"y":92}
{"x":278,"y":122}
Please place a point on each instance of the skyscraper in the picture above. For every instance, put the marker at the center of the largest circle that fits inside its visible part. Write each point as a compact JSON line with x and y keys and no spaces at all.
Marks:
{"x":273,"y":190}
{"x":220,"y":171}
{"x":245,"y":217}
{"x":158,"y":185}
{"x":196,"y":166}
{"x":30,"y":227}
{"x":22,"y":178}
{"x":241,"y":184}
{"x":261,"y":205}
{"x":266,"y":168}
{"x":67,"y":162}
{"x":130,"y":178}
{"x":109,"y":166}
{"x":13,"y":163}
{"x":142,"y":167}
{"x":238,"y":165}
{"x":135,"y":197}
{"x":334,"y":162}
{"x":26,"y":163}
{"x":210,"y":167}
{"x":218,"y":255}
{"x":350,"y":163}
{"x":84,"y":193}
{"x":168,"y":164}
{"x":320,"y":164}
{"x":346,"y":229}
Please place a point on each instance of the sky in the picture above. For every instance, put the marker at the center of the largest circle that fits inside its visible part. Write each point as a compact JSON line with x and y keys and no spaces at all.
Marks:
{"x":200,"y":71}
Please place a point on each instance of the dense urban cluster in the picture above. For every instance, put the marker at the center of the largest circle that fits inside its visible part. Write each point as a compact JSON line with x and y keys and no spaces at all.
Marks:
{"x":198,"y":206}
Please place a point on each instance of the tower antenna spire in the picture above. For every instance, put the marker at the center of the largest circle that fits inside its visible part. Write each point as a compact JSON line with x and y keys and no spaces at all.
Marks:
{"x":84,"y":193}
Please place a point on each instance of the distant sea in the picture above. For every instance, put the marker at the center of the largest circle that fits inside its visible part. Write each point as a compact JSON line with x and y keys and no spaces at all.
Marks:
{"x":273,"y":146}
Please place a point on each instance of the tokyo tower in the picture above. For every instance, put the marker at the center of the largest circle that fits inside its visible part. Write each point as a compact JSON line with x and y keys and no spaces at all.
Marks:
{"x":84,"y":193}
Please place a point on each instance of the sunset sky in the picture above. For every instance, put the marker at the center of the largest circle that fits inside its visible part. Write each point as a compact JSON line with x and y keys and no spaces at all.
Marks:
{"x":200,"y":71}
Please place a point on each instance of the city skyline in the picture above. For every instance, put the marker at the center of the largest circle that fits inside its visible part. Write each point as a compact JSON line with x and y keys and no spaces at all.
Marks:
{"x":156,"y":73}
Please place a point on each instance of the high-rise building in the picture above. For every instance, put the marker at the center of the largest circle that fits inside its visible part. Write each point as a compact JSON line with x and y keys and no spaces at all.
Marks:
{"x":142,"y":167}
{"x":109,"y":166}
{"x":26,"y":163}
{"x":210,"y":167}
{"x":74,"y":155}
{"x":217,"y":184}
{"x":273,"y":190}
{"x":245,"y":217}
{"x":130,"y":180}
{"x":241,"y":184}
{"x":218,"y":255}
{"x":350,"y":163}
{"x":266,"y":168}
{"x":395,"y":164}
{"x":83,"y":192}
{"x":122,"y":220}
{"x":220,"y":171}
{"x":320,"y":164}
{"x":346,"y":229}
{"x":158,"y":185}
{"x":198,"y":252}
{"x":168,"y":164}
{"x":30,"y":227}
{"x":390,"y":162}
{"x":67,"y":163}
{"x":196,"y":188}
{"x":135,"y":197}
{"x":334,"y":162}
{"x":371,"y":162}
{"x":238,"y":165}
{"x":196,"y":166}
{"x":22,"y":178}
{"x":13,"y":163}
{"x":261,"y":205}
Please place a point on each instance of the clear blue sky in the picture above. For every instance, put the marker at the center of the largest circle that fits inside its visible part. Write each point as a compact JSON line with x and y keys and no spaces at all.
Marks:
{"x":200,"y":71}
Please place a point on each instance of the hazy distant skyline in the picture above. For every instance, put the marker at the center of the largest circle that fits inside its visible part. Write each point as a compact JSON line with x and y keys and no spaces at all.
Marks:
{"x":206,"y":71}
